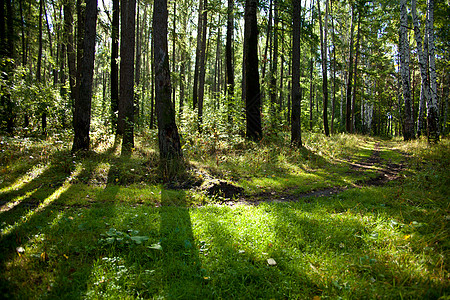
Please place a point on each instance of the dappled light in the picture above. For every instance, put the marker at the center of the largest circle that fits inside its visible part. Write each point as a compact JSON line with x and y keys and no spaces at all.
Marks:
{"x":46,"y":202}
{"x":35,"y":172}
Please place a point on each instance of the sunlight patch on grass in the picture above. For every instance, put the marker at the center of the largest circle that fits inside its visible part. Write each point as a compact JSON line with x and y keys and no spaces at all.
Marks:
{"x":54,"y":196}
{"x":34,"y":173}
{"x":16,"y":201}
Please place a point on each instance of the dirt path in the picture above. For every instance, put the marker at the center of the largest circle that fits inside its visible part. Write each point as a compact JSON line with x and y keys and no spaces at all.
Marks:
{"x":385,"y":173}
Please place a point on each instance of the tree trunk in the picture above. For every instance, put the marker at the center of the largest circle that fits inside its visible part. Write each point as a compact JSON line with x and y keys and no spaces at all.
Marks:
{"x":229,"y":59}
{"x":174,"y":65}
{"x":274,"y":68}
{"x":296,"y":131}
{"x":79,"y":37}
{"x":358,"y":36}
{"x":268,"y":40}
{"x":408,"y":128}
{"x":355,"y":72}
{"x":324,"y":54}
{"x":39,"y":58}
{"x":115,"y":66}
{"x":126,"y":94}
{"x":82,"y":117}
{"x":333,"y":101}
{"x":152,"y":80}
{"x":202,"y":68}
{"x":348,"y":110}
{"x":432,"y":107}
{"x":169,"y":140}
{"x":68,"y":33}
{"x":252,"y":89}
{"x":197,"y":53}
{"x":425,"y":87}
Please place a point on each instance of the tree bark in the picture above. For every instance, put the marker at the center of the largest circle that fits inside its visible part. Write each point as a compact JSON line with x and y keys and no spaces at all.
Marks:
{"x":202,"y":67}
{"x":358,"y":36}
{"x":425,"y":87}
{"x":198,"y":53}
{"x":71,"y":56}
{"x":333,"y":101}
{"x":432,"y":107}
{"x":296,"y":131}
{"x":274,"y":68}
{"x":229,"y":59}
{"x":174,"y":64}
{"x":126,"y":94}
{"x":169,"y":139}
{"x":252,"y":89}
{"x":408,"y":128}
{"x":323,"y":46}
{"x":348,"y":110}
{"x":82,"y":117}
{"x":114,"y":65}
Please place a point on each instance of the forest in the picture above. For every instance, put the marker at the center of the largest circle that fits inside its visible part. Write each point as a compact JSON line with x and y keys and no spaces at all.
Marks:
{"x":209,"y":149}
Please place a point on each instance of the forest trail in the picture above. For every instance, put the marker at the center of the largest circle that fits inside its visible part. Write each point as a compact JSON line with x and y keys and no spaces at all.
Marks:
{"x":386,"y":172}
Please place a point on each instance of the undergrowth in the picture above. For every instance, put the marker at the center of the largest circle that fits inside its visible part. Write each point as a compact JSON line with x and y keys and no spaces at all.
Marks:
{"x":98,"y":226}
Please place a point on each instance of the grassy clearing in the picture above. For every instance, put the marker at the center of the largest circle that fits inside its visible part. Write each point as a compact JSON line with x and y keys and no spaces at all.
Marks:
{"x":98,"y":226}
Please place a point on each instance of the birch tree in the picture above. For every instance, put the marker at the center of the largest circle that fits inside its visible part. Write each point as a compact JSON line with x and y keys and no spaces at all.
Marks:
{"x":432,"y":108}
{"x":408,"y":127}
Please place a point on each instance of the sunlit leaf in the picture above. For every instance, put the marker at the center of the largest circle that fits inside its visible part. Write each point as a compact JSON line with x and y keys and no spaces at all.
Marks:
{"x":138,"y":239}
{"x":271,"y":262}
{"x":156,"y":246}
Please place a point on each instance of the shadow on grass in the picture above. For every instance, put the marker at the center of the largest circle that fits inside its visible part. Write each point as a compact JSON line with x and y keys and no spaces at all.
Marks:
{"x":183,"y":275}
{"x":37,"y":229}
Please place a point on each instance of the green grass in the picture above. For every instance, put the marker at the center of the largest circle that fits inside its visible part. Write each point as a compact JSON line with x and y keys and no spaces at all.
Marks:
{"x":98,"y":226}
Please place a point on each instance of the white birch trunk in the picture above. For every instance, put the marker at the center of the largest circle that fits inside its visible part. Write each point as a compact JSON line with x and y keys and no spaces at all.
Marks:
{"x":432,"y":113}
{"x":408,"y":129}
{"x":425,"y":87}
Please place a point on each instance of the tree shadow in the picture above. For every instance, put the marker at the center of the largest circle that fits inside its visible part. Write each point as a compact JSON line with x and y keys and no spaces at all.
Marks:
{"x":183,"y":275}
{"x":43,"y":224}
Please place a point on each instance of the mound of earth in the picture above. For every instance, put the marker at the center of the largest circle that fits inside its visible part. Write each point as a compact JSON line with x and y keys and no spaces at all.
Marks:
{"x":221,"y":188}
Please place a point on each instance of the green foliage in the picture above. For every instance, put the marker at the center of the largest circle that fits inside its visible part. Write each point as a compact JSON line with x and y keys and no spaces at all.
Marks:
{"x":69,"y":230}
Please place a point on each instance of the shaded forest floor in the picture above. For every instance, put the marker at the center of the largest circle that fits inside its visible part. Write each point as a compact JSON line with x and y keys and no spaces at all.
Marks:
{"x":347,"y":216}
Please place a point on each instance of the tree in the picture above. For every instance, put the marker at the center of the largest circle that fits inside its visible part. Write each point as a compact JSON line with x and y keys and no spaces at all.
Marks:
{"x":324,"y":47}
{"x":126,"y":95}
{"x":348,"y":110}
{"x":82,"y":116}
{"x":71,"y":55}
{"x":408,"y":128}
{"x":229,"y":57}
{"x":114,"y":64}
{"x":296,"y":132}
{"x":169,"y":139}
{"x":200,"y":23}
{"x":432,"y":108}
{"x":274,"y":67}
{"x":202,"y":65}
{"x":252,"y":89}
{"x":425,"y":87}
